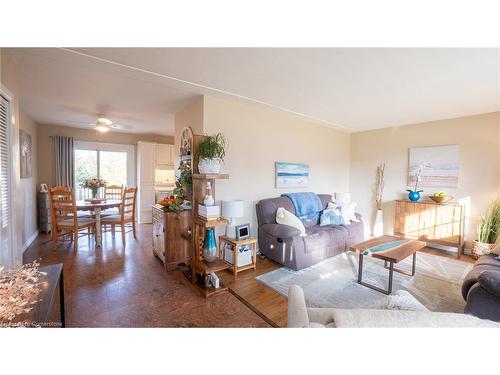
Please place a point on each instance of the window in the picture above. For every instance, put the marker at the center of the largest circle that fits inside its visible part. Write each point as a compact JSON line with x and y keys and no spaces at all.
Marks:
{"x":113,"y":163}
{"x":6,"y":256}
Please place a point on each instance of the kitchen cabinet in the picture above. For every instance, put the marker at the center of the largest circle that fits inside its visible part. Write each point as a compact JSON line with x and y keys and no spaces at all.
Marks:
{"x":150,"y":155}
{"x":164,"y":154}
{"x":170,"y":236}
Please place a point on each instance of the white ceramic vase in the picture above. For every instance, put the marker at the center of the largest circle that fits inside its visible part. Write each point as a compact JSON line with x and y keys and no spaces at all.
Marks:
{"x":209,"y":166}
{"x":378,"y":224}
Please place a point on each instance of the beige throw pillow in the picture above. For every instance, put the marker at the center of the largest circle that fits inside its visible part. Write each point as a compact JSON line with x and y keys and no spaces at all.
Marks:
{"x":287,"y":218}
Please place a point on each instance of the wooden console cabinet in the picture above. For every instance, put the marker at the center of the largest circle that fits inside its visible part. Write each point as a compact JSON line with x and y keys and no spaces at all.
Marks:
{"x":431,"y":222}
{"x":170,"y":233}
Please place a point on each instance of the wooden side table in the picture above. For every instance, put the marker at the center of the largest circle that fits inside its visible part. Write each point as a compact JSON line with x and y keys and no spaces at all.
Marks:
{"x":224,"y":241}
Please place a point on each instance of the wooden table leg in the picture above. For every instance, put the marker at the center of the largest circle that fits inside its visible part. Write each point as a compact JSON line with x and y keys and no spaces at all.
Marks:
{"x":61,"y":299}
{"x":98,"y":237}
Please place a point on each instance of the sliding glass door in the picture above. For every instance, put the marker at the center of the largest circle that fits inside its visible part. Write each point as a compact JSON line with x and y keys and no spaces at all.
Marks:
{"x":113,"y":163}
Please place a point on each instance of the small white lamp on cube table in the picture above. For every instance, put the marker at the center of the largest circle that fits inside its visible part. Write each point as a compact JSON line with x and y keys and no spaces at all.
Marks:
{"x":232,"y":210}
{"x":342,"y":197}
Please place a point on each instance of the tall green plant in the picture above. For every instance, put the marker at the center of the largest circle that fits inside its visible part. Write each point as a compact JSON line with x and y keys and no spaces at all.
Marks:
{"x":212,"y":147}
{"x":488,"y":228}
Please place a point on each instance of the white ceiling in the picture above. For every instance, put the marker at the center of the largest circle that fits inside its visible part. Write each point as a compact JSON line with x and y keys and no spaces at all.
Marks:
{"x":351,"y":89}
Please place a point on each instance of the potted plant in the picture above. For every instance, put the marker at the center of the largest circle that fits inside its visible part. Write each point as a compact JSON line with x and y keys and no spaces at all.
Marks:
{"x":488,"y":230}
{"x":182,"y":192}
{"x":211,"y":151}
{"x":414,"y":195}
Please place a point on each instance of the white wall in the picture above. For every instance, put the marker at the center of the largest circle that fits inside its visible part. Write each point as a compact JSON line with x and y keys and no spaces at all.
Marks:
{"x":29,"y":212}
{"x":479,"y":179}
{"x":258,"y":137}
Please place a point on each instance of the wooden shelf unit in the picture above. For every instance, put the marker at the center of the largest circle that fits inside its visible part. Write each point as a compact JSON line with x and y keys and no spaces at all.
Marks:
{"x":199,"y":268}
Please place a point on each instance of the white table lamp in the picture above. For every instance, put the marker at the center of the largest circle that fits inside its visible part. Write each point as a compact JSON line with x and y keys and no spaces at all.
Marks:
{"x":232,"y":210}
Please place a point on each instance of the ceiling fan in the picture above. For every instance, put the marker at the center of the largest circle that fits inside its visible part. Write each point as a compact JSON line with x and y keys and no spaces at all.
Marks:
{"x":104,"y":125}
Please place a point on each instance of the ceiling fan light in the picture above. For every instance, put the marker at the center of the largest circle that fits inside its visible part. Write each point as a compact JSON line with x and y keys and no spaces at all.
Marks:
{"x":102,"y":128}
{"x":105,"y":121}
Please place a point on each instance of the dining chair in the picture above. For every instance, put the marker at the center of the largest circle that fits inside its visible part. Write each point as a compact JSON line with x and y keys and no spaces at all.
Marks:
{"x":126,"y":215}
{"x":65,"y":219}
{"x":113,"y":191}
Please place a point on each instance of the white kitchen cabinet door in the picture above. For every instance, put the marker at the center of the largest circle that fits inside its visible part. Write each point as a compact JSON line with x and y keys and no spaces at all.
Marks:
{"x":146,"y":200}
{"x":146,"y":162}
{"x":164,"y":154}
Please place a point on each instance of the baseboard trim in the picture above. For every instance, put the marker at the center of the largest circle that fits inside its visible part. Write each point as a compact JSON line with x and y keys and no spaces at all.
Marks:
{"x":30,"y":240}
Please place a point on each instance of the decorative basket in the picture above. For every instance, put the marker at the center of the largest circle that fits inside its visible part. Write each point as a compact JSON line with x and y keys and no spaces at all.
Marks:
{"x":440,"y":200}
{"x":481,"y":248}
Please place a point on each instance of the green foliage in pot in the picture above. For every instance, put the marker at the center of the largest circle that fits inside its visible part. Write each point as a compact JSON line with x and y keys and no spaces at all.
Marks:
{"x":213,"y":147}
{"x":183,"y":189}
{"x":488,"y":228}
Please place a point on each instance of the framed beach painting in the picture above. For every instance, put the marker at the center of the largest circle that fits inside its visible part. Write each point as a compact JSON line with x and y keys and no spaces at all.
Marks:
{"x":291,"y":175}
{"x":440,"y":166}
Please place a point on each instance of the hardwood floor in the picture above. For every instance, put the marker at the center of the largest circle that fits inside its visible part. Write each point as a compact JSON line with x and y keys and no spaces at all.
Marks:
{"x":115,"y":286}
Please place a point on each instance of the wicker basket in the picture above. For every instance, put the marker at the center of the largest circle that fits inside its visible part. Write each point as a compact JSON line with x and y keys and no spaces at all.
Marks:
{"x":481,"y":248}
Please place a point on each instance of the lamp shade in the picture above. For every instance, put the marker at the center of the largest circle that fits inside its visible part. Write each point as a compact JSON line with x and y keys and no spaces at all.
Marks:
{"x":343,"y":197}
{"x":232,"y":209}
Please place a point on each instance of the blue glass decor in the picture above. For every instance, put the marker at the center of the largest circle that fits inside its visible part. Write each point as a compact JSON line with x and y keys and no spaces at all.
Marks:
{"x":209,"y":245}
{"x":414,"y":195}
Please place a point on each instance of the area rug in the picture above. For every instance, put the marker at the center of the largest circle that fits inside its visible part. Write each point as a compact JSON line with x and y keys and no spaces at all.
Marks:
{"x":333,"y":282}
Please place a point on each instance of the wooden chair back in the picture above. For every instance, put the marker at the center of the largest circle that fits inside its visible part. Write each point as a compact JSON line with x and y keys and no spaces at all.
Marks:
{"x":128,"y":203}
{"x":62,"y":205}
{"x":113,"y":191}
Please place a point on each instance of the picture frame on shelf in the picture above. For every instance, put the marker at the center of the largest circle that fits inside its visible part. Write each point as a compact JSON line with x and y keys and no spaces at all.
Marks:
{"x":242,"y":231}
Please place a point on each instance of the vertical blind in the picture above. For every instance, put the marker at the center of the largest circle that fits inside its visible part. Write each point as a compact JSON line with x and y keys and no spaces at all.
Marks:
{"x":4,"y":163}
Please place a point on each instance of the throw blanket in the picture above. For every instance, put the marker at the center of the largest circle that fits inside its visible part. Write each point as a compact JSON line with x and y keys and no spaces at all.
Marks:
{"x":307,"y":205}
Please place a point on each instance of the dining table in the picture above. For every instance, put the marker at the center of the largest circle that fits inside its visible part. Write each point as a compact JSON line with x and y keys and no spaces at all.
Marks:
{"x":96,"y":207}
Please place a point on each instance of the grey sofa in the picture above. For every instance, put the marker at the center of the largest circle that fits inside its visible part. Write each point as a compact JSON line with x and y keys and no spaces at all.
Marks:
{"x":283,"y":243}
{"x":481,"y":289}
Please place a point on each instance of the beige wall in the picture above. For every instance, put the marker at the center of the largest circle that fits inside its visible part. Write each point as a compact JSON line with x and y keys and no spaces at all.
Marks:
{"x":46,"y":172}
{"x":258,"y":137}
{"x":190,"y":116}
{"x":29,"y":185}
{"x":479,"y":180}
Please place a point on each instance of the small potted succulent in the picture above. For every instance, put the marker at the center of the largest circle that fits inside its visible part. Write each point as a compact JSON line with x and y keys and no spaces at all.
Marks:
{"x":488,"y":230}
{"x":211,"y":151}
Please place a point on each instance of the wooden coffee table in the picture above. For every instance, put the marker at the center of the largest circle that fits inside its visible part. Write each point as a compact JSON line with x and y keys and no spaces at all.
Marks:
{"x":391,"y":250}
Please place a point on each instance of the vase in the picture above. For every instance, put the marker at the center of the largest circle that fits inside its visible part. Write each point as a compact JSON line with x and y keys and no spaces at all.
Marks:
{"x":209,"y":166}
{"x":414,"y":196}
{"x":378,"y":224}
{"x":209,"y":246}
{"x":94,"y":193}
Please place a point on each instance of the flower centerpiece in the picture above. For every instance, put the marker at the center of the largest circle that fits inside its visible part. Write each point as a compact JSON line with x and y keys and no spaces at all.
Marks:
{"x":414,"y":195}
{"x":94,"y":184}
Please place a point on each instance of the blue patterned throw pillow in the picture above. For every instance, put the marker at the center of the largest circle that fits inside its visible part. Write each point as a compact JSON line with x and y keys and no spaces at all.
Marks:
{"x":331,"y":216}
